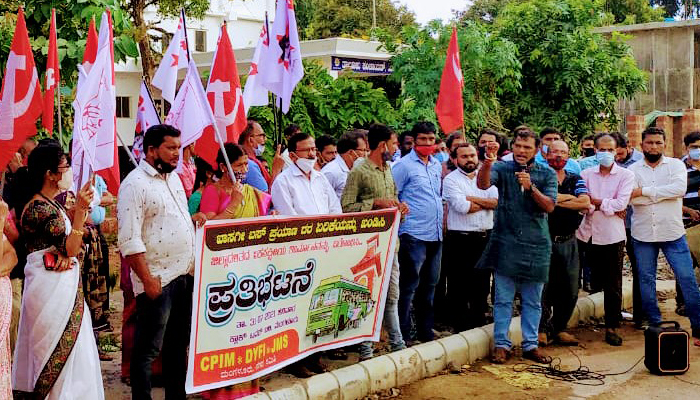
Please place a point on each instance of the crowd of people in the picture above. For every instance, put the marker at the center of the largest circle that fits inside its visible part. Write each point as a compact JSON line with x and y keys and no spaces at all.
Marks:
{"x":482,"y":223}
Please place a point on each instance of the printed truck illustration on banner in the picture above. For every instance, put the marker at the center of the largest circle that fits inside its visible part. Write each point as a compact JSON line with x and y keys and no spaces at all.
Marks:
{"x":339,"y":304}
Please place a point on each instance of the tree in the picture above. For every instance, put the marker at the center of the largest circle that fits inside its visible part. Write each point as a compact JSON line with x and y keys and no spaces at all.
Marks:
{"x":618,"y":11}
{"x":166,"y":8}
{"x":353,"y":18}
{"x":489,"y":64}
{"x":571,"y":77}
{"x":323,"y":105}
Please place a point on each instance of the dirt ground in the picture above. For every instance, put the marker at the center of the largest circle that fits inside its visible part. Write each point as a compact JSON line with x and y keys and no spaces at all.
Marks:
{"x":483,"y":380}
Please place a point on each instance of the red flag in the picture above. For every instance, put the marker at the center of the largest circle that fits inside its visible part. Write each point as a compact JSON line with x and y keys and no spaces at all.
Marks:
{"x":450,"y":106}
{"x":226,"y":100}
{"x":90,"y":46}
{"x":20,"y":100}
{"x":111,"y":174}
{"x":53,"y":78}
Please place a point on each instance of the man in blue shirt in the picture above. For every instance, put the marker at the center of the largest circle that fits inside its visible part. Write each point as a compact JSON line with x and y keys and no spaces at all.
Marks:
{"x":417,"y":177}
{"x":547,"y":136}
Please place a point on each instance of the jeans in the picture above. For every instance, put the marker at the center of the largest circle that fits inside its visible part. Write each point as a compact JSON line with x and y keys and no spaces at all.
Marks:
{"x":531,"y":293}
{"x":638,"y":315}
{"x":692,"y":235}
{"x":391,"y":316}
{"x":420,"y":270}
{"x":561,"y":292}
{"x":605,"y":261}
{"x":467,"y":286}
{"x":678,"y":255}
{"x":162,"y":324}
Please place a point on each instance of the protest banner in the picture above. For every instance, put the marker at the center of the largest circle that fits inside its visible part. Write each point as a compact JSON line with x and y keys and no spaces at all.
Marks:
{"x":271,"y":291}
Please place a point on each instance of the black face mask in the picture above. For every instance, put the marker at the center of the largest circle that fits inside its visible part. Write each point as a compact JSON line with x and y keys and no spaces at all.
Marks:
{"x":162,"y":167}
{"x":652,"y":158}
{"x":589,"y":152}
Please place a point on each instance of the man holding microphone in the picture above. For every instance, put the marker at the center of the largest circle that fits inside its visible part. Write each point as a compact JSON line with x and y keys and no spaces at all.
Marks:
{"x":520,"y":246}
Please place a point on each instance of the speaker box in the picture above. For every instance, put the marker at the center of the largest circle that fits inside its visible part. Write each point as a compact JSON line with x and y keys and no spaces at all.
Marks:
{"x":666,"y":349}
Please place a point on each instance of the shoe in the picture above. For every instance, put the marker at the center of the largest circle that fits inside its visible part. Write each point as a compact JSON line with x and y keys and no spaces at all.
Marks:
{"x":537,"y":356}
{"x":613,"y":339}
{"x":566,"y":339}
{"x":500,"y":355}
{"x":542,"y":339}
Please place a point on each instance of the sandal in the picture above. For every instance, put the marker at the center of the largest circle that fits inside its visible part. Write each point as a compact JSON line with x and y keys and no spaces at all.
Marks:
{"x":500,"y":355}
{"x":613,"y":339}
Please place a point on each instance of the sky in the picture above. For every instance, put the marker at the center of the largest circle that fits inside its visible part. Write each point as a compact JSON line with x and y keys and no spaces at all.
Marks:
{"x":427,"y":10}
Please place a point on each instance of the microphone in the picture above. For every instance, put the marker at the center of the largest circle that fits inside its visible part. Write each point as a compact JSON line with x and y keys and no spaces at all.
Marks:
{"x":522,"y":168}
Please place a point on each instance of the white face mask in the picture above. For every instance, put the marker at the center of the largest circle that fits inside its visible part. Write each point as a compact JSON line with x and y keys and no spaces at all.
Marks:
{"x":66,"y":180}
{"x":306,"y":164}
{"x":260,"y":149}
{"x":358,"y":161}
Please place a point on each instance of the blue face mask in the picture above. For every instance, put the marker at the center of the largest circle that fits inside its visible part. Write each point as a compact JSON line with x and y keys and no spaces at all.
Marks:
{"x":694,"y":154}
{"x":441,"y":156}
{"x":605,"y":158}
{"x":545,"y":149}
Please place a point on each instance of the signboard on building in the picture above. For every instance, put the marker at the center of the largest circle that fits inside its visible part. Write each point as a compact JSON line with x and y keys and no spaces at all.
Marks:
{"x":362,"y":66}
{"x":270,"y":291}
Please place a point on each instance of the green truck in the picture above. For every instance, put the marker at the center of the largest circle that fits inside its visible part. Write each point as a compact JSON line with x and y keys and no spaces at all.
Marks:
{"x":337,"y":304}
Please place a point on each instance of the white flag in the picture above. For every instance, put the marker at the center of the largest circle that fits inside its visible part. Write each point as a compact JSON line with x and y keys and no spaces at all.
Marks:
{"x":174,"y":59}
{"x":146,"y":117}
{"x":281,"y":67}
{"x":95,"y":109}
{"x":255,"y":94}
{"x":190,"y":111}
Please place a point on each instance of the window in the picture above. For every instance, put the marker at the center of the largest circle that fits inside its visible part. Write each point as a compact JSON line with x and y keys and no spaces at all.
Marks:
{"x":200,"y":41}
{"x":123,"y":109}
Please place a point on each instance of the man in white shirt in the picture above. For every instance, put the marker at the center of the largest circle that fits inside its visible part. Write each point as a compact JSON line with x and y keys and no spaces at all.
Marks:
{"x":469,"y":224}
{"x":352,"y":149}
{"x":156,"y":236}
{"x":657,"y":224}
{"x":300,"y":189}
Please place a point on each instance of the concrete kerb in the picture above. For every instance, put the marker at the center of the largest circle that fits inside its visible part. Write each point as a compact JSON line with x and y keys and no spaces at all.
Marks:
{"x":412,"y":364}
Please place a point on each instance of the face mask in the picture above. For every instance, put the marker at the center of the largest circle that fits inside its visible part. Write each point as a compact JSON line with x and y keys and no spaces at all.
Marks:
{"x":259,"y":150}
{"x":358,"y":161}
{"x":557,"y":163}
{"x":306,"y":164}
{"x":545,"y":148}
{"x":425,"y":151}
{"x":66,"y":180}
{"x":605,"y":158}
{"x":441,"y":156}
{"x":386,"y":156}
{"x":240,"y":176}
{"x":469,"y":168}
{"x":694,"y":154}
{"x":652,"y":158}
{"x":588,"y":152}
{"x":162,"y":167}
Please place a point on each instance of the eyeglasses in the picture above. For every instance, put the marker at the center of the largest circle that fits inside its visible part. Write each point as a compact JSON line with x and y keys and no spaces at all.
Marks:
{"x":260,"y":135}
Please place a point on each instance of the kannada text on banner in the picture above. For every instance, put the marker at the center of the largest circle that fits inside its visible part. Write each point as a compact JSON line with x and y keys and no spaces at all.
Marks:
{"x":273,"y":290}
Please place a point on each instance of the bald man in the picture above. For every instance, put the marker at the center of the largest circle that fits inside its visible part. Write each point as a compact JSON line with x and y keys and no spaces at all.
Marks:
{"x":561,"y":291}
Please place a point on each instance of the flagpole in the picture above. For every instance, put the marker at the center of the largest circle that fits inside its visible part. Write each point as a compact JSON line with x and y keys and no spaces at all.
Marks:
{"x":60,"y":128}
{"x":131,"y":155}
{"x":184,"y":29}
{"x":150,"y":97}
{"x":277,"y":119}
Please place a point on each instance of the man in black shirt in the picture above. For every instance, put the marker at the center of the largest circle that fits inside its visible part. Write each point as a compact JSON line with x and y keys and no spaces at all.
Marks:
{"x":561,"y":291}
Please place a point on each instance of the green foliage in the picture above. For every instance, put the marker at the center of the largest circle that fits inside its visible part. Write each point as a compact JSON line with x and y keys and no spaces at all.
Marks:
{"x":571,"y":77}
{"x":353,"y":18}
{"x":323,"y":105}
{"x":617,"y":11}
{"x":489,"y":65}
{"x":171,"y":8}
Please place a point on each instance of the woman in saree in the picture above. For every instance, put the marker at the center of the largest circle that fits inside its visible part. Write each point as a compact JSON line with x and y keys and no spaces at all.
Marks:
{"x":227,"y":199}
{"x":56,"y":354}
{"x":8,"y":260}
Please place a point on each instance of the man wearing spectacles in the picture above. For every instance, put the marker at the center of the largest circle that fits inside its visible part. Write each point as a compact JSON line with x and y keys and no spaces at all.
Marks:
{"x":300,"y":189}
